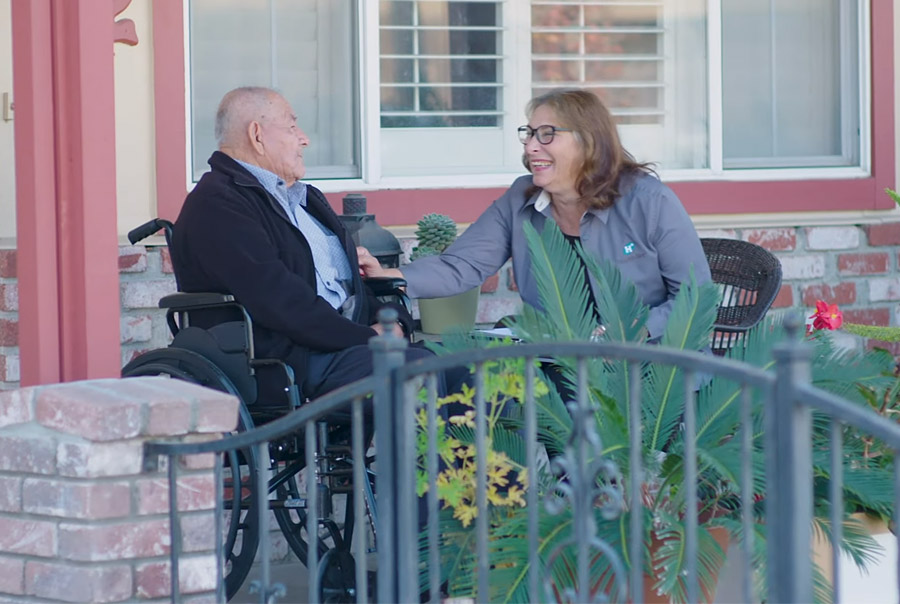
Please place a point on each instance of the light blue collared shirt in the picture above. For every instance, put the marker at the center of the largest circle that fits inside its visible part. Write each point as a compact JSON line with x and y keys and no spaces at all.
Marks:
{"x":333,"y":272}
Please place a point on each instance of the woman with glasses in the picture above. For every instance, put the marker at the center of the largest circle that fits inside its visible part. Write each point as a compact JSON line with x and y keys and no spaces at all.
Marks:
{"x":593,"y":189}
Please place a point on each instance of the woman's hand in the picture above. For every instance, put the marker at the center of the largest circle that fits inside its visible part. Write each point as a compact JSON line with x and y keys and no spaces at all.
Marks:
{"x":370,"y":267}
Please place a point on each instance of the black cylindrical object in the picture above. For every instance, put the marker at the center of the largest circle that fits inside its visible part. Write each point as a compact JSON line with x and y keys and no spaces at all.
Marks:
{"x":380,"y":242}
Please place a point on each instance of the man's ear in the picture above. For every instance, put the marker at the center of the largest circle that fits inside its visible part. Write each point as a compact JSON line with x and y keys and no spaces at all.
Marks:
{"x":254,"y":133}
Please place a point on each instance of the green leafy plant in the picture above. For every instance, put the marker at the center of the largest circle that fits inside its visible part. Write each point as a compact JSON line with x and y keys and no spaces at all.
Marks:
{"x":882,"y":398}
{"x":507,"y":480}
{"x":566,"y":316}
{"x":435,"y":233}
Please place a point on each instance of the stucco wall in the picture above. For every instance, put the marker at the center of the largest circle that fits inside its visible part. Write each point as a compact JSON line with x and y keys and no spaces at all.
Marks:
{"x":135,"y":144}
{"x":135,"y":126}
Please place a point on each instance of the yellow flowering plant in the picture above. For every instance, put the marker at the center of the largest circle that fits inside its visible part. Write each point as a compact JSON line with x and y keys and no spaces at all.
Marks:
{"x":504,"y":386}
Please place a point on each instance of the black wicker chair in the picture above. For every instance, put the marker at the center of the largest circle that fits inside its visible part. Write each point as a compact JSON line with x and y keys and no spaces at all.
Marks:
{"x":749,"y":278}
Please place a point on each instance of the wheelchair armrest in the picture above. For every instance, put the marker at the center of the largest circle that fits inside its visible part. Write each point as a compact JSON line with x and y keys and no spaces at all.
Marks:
{"x":290,"y":386}
{"x":384,"y":286}
{"x":182,"y":303}
{"x":188,"y":301}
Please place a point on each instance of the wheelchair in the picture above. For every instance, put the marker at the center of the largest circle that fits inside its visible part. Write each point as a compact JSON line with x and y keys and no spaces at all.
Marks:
{"x":219,"y":354}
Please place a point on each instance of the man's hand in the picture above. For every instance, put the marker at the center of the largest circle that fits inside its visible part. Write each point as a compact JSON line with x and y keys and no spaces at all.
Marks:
{"x":397,"y":331}
{"x":370,"y":267}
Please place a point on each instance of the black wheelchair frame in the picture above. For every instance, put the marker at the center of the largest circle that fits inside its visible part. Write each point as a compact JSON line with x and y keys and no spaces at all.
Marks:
{"x":221,"y":356}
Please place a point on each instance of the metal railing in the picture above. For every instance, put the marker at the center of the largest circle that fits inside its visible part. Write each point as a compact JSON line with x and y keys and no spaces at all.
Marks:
{"x":586,"y":482}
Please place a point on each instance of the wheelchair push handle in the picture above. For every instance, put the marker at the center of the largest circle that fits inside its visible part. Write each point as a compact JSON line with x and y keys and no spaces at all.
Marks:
{"x":149,"y":228}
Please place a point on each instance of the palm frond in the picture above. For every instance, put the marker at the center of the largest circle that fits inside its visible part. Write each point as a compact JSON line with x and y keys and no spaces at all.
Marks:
{"x":561,"y":285}
{"x":868,"y":487}
{"x":622,"y":309}
{"x":670,"y":561}
{"x":844,"y":372}
{"x":856,"y":540}
{"x":718,"y":404}
{"x":689,"y":328}
{"x":554,"y":421}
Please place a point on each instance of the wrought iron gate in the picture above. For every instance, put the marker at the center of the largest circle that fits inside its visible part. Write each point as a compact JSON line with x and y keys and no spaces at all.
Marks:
{"x":588,"y":488}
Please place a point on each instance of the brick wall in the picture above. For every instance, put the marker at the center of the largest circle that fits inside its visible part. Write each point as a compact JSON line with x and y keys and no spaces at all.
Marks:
{"x":855,"y":266}
{"x":79,"y":521}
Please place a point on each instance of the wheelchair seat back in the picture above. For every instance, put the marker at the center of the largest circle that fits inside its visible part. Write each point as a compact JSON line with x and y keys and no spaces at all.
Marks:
{"x":226,"y":346}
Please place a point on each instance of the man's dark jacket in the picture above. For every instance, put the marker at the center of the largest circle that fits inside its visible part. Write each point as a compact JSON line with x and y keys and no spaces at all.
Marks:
{"x":233,"y":237}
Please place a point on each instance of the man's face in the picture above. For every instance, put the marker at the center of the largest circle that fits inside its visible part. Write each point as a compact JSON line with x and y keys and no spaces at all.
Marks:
{"x":283,"y":142}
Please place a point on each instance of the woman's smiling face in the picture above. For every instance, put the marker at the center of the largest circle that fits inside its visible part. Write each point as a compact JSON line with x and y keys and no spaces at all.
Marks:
{"x":555,"y":166}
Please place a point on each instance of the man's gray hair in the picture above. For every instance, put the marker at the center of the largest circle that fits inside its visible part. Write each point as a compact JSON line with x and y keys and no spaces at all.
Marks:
{"x":238,"y":108}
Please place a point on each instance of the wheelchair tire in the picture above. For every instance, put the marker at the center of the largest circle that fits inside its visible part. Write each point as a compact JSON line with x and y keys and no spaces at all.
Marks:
{"x":242,"y":530}
{"x":337,"y":577}
{"x":292,"y":522}
{"x":336,"y":568}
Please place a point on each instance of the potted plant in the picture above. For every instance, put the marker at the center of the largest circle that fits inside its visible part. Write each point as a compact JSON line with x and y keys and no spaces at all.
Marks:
{"x":565,"y":317}
{"x":435,"y":233}
{"x":871,"y":453}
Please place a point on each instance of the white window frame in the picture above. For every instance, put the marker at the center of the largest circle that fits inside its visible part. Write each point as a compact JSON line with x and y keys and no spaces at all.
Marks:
{"x":454,"y":149}
{"x":516,"y":93}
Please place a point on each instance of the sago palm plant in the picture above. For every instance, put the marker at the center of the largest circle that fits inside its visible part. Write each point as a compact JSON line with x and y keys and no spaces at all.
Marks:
{"x":566,"y":316}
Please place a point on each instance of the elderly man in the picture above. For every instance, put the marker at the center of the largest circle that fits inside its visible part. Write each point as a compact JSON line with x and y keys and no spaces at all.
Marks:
{"x":250,"y":228}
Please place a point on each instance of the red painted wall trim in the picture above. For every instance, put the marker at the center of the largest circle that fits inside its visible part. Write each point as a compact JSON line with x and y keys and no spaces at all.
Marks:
{"x":700,"y":197}
{"x":35,"y":193}
{"x":169,"y":106}
{"x":84,"y":99}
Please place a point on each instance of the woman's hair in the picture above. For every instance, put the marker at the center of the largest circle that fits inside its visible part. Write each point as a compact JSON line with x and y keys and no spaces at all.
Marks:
{"x":605,"y":161}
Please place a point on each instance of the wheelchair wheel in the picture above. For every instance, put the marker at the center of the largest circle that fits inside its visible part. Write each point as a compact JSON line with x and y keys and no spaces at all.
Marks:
{"x":241,"y":480}
{"x":337,"y":577}
{"x":292,"y":522}
{"x":336,"y":566}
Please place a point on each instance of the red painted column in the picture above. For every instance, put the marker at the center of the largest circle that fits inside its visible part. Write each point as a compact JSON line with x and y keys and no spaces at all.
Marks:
{"x":35,"y":193}
{"x":66,"y":193}
{"x":86,"y":185}
{"x":169,"y":106}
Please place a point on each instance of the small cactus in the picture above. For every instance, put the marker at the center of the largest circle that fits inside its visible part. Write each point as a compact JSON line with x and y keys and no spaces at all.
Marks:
{"x":435,"y":233}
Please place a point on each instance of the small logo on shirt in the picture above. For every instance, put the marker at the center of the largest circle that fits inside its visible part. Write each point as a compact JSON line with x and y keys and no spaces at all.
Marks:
{"x":629,"y":248}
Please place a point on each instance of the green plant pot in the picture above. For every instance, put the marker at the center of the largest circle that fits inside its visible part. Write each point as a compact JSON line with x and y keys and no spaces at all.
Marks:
{"x":440,"y":314}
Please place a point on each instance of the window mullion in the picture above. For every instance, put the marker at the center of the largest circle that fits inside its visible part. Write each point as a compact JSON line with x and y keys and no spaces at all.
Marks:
{"x":864,"y":81}
{"x":773,"y":75}
{"x":714,"y":78}
{"x":370,"y":86}
{"x":517,"y":52}
{"x":417,"y":61}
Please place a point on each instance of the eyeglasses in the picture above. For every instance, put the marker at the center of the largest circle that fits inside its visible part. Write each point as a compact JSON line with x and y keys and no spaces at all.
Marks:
{"x":544,"y":133}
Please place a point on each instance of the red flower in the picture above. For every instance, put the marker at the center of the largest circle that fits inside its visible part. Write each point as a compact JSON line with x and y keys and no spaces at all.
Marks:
{"x":827,"y":316}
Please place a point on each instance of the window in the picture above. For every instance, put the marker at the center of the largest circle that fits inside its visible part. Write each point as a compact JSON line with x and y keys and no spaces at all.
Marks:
{"x":440,"y":65}
{"x":646,"y":60}
{"x":441,"y":68}
{"x":419,"y":92}
{"x":790,"y":83}
{"x":304,"y":48}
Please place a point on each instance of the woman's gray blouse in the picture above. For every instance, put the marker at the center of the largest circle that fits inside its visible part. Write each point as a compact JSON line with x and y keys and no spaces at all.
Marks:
{"x":647,"y":234}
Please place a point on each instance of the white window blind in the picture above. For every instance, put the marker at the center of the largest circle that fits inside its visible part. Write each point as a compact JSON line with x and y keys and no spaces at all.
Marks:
{"x":445,"y":87}
{"x":790,"y":69}
{"x":636,"y":56}
{"x":615,"y":50}
{"x":441,"y":64}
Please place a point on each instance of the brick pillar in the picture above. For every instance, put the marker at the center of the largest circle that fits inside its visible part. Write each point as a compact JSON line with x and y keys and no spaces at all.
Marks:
{"x":79,"y":522}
